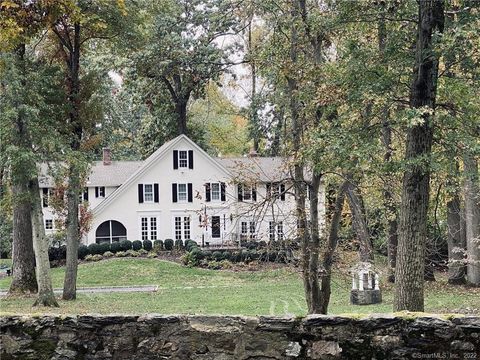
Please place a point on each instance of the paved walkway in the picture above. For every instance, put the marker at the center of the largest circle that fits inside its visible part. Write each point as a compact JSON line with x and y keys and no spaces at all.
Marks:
{"x":105,"y":289}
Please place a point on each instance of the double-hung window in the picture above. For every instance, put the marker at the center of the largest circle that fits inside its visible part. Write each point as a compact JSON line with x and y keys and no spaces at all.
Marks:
{"x":182,"y":192}
{"x":247,"y":192}
{"x":183,"y":159}
{"x":215,"y":191}
{"x":148,"y":192}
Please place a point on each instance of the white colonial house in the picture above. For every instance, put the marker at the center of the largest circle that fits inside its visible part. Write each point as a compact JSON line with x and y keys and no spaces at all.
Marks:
{"x":181,"y":192}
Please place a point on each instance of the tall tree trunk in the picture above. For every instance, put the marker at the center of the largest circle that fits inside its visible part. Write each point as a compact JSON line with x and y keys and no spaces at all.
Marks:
{"x":45,"y":296}
{"x":359,"y":222}
{"x":409,"y":272}
{"x":315,"y":302}
{"x":181,"y":110}
{"x":472,"y":219}
{"x":22,"y":253}
{"x":331,"y":247}
{"x":456,"y":245}
{"x":73,"y":186}
{"x":254,"y":126}
{"x":23,"y":267}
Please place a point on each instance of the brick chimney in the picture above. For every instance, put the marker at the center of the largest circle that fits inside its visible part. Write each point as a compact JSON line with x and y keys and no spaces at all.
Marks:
{"x":107,"y":156}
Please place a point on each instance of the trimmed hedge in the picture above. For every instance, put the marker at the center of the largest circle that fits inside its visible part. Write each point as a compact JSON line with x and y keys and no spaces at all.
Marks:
{"x":115,"y":247}
{"x":147,"y":245}
{"x":104,"y":247}
{"x":125,"y":245}
{"x":82,"y":251}
{"x":57,"y":253}
{"x":179,"y":244}
{"x":94,"y":249}
{"x":168,"y":244}
{"x":136,"y":245}
{"x":190,"y":244}
{"x":158,"y":245}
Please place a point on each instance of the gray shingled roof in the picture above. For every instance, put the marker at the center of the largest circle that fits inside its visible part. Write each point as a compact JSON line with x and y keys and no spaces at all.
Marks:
{"x":114,"y":174}
{"x":258,"y":168}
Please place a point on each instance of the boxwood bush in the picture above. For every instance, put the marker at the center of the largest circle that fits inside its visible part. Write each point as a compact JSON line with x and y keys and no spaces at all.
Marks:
{"x":57,"y":253}
{"x":82,"y":251}
{"x":115,"y":247}
{"x":136,"y":245}
{"x":104,"y":247}
{"x":178,"y":244}
{"x":147,"y":245}
{"x":217,"y":255}
{"x":168,"y":244}
{"x":94,"y":249}
{"x":158,"y":245}
{"x":125,"y":245}
{"x":190,"y":244}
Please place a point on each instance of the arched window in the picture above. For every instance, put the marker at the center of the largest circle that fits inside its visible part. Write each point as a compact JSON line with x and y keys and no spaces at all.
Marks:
{"x":110,"y":231}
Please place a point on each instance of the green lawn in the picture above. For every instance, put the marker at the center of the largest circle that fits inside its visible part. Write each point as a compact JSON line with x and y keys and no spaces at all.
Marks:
{"x":185,"y":290}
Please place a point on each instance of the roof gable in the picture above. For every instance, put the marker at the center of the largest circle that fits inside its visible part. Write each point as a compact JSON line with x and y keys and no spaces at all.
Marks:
{"x":161,"y":152}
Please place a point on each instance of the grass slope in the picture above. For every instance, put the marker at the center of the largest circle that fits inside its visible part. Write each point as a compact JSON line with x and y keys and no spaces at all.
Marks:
{"x":185,"y":290}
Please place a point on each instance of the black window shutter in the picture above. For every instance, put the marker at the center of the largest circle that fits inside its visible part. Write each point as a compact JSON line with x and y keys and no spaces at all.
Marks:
{"x":190,"y":159}
{"x":96,"y":191}
{"x":175,"y":159}
{"x":240,"y":192}
{"x":222,"y":191}
{"x":85,"y":194}
{"x":254,"y":193}
{"x":140,"y":193}
{"x":190,"y":192}
{"x":155,"y":193}
{"x":282,"y":191}
{"x":45,"y":197}
{"x":207,"y":192}
{"x":174,"y":192}
{"x":269,"y":189}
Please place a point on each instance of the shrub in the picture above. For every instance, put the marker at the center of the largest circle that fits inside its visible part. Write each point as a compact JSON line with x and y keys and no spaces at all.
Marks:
{"x":168,"y":244}
{"x":82,"y":251}
{"x":57,"y":253}
{"x":190,"y":244}
{"x":217,"y":255}
{"x":142,"y":252}
{"x":96,"y":257}
{"x":136,"y":245}
{"x":225,"y":264}
{"x":227,"y":255}
{"x":158,"y":246}
{"x":132,"y":253}
{"x":236,"y":256}
{"x":94,"y":249}
{"x":108,"y":254}
{"x":151,"y":255}
{"x":125,"y":245}
{"x":121,"y":254}
{"x":115,"y":247}
{"x":147,"y":245}
{"x":261,"y":244}
{"x":103,"y":248}
{"x":178,"y":244}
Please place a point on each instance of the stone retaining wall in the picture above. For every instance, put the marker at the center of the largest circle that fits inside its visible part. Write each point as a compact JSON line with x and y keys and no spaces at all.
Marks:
{"x":222,"y":337}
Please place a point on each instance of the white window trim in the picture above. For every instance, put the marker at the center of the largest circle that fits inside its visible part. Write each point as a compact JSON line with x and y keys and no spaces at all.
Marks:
{"x":46,"y":228}
{"x":149,"y":215}
{"x":186,"y":193}
{"x":104,"y":192}
{"x":144,"y":193}
{"x":187,"y":160}
{"x":219,"y":192}
{"x":182,"y":216}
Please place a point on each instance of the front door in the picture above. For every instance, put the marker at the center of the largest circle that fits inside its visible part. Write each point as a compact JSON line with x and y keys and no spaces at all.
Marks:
{"x":215,"y":227}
